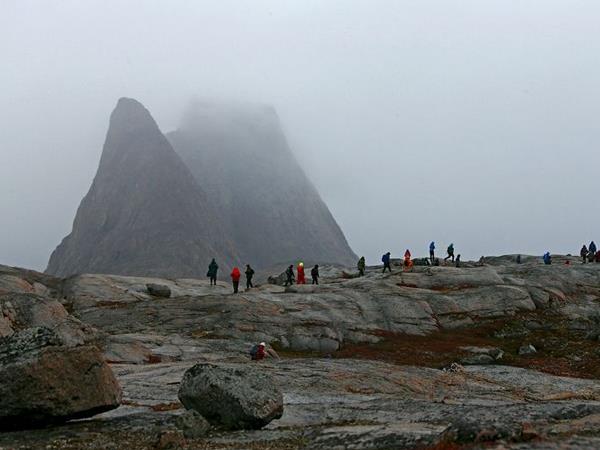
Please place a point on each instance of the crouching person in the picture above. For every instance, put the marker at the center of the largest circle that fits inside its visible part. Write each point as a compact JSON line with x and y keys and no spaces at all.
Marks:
{"x":260,"y":352}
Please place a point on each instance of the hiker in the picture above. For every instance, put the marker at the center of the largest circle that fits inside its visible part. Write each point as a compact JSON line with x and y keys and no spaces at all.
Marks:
{"x":249,"y":275}
{"x":235,"y":279}
{"x":361,"y":266}
{"x":457,"y":263}
{"x":407,"y":261}
{"x":592,"y":248}
{"x":432,"y":251}
{"x":260,"y":351}
{"x":518,"y":259}
{"x":289,"y":273}
{"x":314,"y":273}
{"x":584,"y":254}
{"x":213,"y":267}
{"x":450,"y":253}
{"x":385,"y":259}
{"x":301,"y":278}
{"x":547,"y":258}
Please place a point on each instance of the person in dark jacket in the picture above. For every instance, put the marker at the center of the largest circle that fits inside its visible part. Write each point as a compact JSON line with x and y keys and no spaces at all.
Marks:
{"x":213,"y":267}
{"x":290,"y":278}
{"x":592,"y":248}
{"x":314,"y":273}
{"x":584,"y":253}
{"x":450,"y":253}
{"x":457,"y":262}
{"x":432,"y":251}
{"x":385,"y":259}
{"x":235,"y":279}
{"x":249,"y":275}
{"x":362,"y":264}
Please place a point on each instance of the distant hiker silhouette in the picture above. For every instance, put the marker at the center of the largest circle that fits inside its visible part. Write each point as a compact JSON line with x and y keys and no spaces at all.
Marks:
{"x":385,"y":259}
{"x":213,"y":267}
{"x":361,"y":266}
{"x":450,"y":252}
{"x":249,"y":275}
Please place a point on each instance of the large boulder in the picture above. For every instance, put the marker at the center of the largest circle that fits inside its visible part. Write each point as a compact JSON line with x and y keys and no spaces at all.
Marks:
{"x":45,"y":381}
{"x":232,"y":397}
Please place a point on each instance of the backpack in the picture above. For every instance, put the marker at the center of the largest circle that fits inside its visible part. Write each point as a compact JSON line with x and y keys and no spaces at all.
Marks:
{"x":254,"y":351}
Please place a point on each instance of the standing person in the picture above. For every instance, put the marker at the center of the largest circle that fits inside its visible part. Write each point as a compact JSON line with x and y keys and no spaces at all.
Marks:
{"x":458,"y":261}
{"x":249,"y":275}
{"x":385,"y":259}
{"x":450,"y":253}
{"x":301,"y":279}
{"x":235,"y":279}
{"x":361,"y":266}
{"x":592,"y":248}
{"x":584,"y":253}
{"x":407,"y":261}
{"x":213,"y":267}
{"x":518,"y":259}
{"x":314,"y":273}
{"x":432,"y":252}
{"x":289,"y":274}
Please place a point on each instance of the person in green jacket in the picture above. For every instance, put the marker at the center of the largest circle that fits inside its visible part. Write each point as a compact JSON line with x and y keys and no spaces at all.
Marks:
{"x":361,"y":266}
{"x":450,"y":253}
{"x":213,"y":267}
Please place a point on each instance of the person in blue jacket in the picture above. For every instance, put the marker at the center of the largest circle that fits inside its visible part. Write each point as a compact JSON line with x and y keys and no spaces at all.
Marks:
{"x":547,"y":258}
{"x":592,"y":248}
{"x":385,"y":259}
{"x":432,"y":251}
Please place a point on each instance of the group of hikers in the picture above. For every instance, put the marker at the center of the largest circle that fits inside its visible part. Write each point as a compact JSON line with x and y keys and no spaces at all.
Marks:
{"x":588,"y":254}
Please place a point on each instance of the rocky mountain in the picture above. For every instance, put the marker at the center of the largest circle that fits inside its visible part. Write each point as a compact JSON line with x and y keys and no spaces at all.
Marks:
{"x":233,"y":191}
{"x":273,"y":213}
{"x":144,"y":213}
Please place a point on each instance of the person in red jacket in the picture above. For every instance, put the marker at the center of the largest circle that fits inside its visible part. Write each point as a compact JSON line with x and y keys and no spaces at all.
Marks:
{"x":301,"y":279}
{"x":235,"y":279}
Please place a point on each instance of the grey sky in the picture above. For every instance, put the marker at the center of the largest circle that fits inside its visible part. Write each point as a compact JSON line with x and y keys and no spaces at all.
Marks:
{"x":474,"y":122}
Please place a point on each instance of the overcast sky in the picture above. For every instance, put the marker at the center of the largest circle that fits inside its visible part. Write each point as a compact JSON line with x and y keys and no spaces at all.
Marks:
{"x":474,"y":121}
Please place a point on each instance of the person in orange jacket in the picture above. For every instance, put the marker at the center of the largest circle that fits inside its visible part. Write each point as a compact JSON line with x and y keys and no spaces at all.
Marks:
{"x":301,"y":279}
{"x":407,"y":261}
{"x":235,"y":279}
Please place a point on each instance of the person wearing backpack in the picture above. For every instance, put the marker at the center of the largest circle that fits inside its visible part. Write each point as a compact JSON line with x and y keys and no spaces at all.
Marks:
{"x":213,"y":267}
{"x":314,"y":273}
{"x":450,"y":253}
{"x":249,"y":275}
{"x":385,"y":259}
{"x":432,"y":251}
{"x":235,"y":279}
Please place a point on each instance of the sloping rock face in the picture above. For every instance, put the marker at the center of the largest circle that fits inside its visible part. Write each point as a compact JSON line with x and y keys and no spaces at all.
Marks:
{"x":232,"y":397}
{"x":272,"y":211}
{"x":45,"y":381}
{"x":145,"y":213}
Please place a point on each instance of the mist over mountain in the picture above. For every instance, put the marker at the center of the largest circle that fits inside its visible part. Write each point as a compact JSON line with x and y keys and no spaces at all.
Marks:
{"x":240,"y":156}
{"x":232,"y":191}
{"x":144,"y":213}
